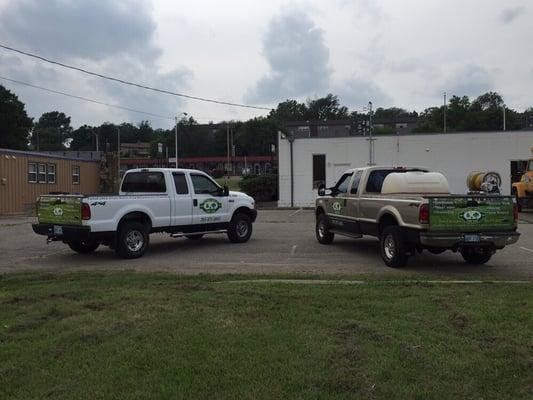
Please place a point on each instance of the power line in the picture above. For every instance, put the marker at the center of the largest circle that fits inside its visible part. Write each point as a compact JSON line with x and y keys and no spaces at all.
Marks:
{"x":86,"y":99}
{"x":131,"y":83}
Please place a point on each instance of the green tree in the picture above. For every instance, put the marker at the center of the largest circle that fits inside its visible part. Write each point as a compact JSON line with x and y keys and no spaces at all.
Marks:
{"x":51,"y":131}
{"x":256,"y":136}
{"x":289,"y":110}
{"x":393,"y":113}
{"x":84,"y":138}
{"x":325,"y":108}
{"x":15,"y":125}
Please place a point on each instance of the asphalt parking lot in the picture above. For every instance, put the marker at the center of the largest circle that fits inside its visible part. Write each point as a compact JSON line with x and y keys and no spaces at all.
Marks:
{"x":283,"y":242}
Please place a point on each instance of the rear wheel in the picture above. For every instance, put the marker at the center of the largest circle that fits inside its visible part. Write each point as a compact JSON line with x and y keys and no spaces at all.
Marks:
{"x":133,"y":239}
{"x":323,"y":235}
{"x":84,"y":247}
{"x":476,"y":255}
{"x":194,"y":237}
{"x":240,"y":228}
{"x":393,"y":247}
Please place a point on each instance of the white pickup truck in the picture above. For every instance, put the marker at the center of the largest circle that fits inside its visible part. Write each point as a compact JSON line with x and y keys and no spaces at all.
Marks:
{"x":181,"y":202}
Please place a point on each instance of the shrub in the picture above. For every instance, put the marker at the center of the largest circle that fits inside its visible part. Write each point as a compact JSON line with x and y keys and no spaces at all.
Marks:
{"x":263,"y":187}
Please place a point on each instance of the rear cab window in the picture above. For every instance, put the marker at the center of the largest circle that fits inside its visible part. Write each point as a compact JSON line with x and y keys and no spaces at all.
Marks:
{"x":180,"y":182}
{"x":144,"y":182}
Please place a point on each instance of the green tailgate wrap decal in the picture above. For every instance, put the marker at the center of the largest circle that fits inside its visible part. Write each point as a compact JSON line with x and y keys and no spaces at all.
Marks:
{"x":210,"y":206}
{"x":59,"y":210}
{"x":463,"y":215}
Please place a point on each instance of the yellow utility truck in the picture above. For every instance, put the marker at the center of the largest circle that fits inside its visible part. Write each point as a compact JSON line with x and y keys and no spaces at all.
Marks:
{"x":523,"y":190}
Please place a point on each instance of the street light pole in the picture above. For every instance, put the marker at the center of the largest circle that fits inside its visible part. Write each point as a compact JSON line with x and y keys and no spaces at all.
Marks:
{"x":444,"y":112}
{"x":176,"y":141}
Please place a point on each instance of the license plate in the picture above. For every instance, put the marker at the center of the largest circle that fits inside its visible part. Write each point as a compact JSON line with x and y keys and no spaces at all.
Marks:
{"x":472,"y":239}
{"x":58,"y":230}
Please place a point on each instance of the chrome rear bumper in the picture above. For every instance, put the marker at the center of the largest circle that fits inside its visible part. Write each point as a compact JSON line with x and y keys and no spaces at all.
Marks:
{"x":497,"y":240}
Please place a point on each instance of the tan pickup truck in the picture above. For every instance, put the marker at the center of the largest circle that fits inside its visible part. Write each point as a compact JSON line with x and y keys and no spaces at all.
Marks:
{"x":410,"y":210}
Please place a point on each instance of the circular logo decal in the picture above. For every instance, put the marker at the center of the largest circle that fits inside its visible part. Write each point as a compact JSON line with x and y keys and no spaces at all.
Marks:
{"x":336,"y":206}
{"x":58,"y":211}
{"x":472,"y":215}
{"x":210,"y":206}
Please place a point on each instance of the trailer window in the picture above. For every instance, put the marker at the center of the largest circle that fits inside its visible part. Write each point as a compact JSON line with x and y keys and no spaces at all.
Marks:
{"x":144,"y":182}
{"x":181,"y":183}
{"x":32,"y":173}
{"x":41,"y":173}
{"x":51,"y":173}
{"x":75,"y":174}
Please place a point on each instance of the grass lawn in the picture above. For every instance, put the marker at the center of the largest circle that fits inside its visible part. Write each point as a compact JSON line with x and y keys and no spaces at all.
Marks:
{"x":233,"y":182}
{"x":135,"y":336}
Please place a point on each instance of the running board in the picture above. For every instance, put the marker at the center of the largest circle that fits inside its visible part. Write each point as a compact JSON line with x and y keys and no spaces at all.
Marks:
{"x":181,"y":234}
{"x":352,"y":235}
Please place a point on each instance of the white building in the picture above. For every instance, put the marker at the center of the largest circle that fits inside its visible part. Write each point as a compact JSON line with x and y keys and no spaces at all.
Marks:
{"x":454,"y":154}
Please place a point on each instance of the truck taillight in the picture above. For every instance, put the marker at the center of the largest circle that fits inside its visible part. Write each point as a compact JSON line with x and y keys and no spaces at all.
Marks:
{"x":423,"y":214}
{"x":85,"y":211}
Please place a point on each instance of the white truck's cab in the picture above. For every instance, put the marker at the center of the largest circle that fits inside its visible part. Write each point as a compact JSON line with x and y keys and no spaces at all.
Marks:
{"x":182,"y":202}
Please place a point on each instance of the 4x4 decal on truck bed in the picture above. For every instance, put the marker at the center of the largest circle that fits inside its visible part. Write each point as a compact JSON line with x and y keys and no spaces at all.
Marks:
{"x":210,"y":206}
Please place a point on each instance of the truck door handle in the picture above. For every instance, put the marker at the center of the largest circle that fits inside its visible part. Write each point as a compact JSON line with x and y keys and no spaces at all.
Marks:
{"x":195,"y":202}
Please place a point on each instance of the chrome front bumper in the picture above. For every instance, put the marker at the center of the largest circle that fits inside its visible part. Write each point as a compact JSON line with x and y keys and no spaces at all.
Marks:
{"x":497,"y":240}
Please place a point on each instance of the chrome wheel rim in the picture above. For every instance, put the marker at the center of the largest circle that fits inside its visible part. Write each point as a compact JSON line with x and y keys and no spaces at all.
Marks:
{"x":389,"y":247}
{"x":242,"y":229}
{"x":134,"y":240}
{"x":321,"y":229}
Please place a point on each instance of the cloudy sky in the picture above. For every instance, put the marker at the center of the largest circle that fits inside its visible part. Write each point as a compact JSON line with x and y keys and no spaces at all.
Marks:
{"x":394,"y":53}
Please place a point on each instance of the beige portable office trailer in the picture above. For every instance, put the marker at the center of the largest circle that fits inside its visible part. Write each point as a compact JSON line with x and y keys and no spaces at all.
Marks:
{"x":24,"y":175}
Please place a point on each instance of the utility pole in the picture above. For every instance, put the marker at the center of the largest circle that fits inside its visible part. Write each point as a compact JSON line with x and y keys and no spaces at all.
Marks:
{"x":444,"y":112}
{"x":370,"y":139}
{"x":176,"y":140}
{"x":118,"y":157}
{"x":504,"y":122}
{"x":227,"y":143}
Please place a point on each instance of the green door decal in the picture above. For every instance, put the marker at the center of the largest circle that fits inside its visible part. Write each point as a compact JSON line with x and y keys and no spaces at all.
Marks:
{"x":210,"y":206}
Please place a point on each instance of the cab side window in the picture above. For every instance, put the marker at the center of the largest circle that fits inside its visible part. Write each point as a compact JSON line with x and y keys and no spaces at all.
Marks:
{"x":203,"y":185}
{"x":342,"y":184}
{"x":355,"y":182}
{"x":181,"y":183}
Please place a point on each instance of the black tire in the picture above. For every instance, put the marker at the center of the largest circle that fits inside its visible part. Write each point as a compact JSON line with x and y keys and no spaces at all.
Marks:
{"x":133,"y":239}
{"x":476,"y":255}
{"x":240,"y":228}
{"x":393,"y":247}
{"x":84,"y":247}
{"x":436,"y":250}
{"x":195,"y":237}
{"x":323,"y":235}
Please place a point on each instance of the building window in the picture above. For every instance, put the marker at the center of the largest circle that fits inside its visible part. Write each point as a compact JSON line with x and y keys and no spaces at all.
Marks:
{"x":51,"y":173}
{"x":32,"y":173}
{"x":75,"y":174}
{"x":319,"y":170}
{"x":41,"y":173}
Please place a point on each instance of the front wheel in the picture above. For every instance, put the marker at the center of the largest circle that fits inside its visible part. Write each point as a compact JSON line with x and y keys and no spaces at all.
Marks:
{"x":476,"y":255}
{"x":240,"y":228}
{"x":393,"y":247}
{"x":84,"y":247}
{"x":323,"y":235}
{"x":132,"y":240}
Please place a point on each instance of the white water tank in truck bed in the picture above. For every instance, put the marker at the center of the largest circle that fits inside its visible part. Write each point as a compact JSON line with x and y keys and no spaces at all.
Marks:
{"x":415,"y":182}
